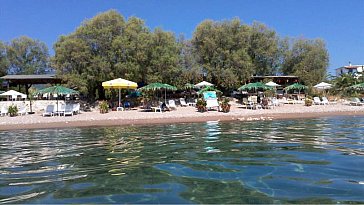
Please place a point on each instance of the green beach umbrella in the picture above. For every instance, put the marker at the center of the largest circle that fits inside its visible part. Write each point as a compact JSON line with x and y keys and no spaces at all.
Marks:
{"x":188,"y":86}
{"x":295,"y":86}
{"x":158,"y":86}
{"x":255,"y":86}
{"x":59,"y":90}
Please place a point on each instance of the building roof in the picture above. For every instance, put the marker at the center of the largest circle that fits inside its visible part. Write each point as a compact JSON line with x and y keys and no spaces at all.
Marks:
{"x":31,"y":79}
{"x":276,"y":76}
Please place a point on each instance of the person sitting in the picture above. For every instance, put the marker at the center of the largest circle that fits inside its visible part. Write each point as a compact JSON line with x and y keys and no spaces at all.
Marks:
{"x":127,"y":105}
{"x":164,"y":107}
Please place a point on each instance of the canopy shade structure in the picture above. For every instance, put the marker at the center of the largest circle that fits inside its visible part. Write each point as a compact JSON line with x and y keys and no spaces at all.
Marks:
{"x":158,"y":86}
{"x":119,"y":84}
{"x":272,"y":84}
{"x":14,"y":94}
{"x":203,"y":84}
{"x":323,"y":86}
{"x":357,"y":86}
{"x":295,"y":86}
{"x":255,"y":86}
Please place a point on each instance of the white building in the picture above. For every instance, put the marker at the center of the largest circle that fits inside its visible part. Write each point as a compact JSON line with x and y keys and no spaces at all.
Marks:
{"x":354,"y":69}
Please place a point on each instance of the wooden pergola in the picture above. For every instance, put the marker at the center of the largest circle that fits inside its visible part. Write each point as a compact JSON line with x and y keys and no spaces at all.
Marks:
{"x":28,"y":80}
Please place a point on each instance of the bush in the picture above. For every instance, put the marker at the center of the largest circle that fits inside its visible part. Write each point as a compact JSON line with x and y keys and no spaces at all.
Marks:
{"x":104,"y":107}
{"x":225,"y":106}
{"x":201,"y":105}
{"x":13,"y":110}
{"x":308,"y":101}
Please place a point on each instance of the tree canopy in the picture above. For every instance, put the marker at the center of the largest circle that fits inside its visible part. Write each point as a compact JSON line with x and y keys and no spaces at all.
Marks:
{"x":27,"y":56}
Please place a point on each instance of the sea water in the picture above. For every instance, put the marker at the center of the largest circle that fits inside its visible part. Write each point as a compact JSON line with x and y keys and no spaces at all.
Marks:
{"x":281,"y":161}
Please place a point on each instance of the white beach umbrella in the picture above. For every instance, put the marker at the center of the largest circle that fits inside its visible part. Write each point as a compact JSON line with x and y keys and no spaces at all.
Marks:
{"x":14,"y":94}
{"x":323,"y":86}
{"x":273,"y":84}
{"x":203,"y":84}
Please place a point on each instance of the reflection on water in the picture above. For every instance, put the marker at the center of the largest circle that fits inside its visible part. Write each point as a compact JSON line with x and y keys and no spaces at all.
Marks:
{"x":288,"y":161}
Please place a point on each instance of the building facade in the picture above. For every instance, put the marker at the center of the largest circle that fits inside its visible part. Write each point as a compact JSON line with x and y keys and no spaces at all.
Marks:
{"x":350,"y":69}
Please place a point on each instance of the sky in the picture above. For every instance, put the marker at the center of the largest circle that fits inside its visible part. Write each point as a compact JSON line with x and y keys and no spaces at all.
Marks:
{"x":340,"y":23}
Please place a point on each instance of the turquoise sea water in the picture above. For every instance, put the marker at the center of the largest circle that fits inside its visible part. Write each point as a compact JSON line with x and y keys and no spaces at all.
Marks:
{"x":285,"y":161}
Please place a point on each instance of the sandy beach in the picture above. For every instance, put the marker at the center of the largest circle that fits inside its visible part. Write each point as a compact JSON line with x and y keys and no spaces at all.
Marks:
{"x":181,"y":115}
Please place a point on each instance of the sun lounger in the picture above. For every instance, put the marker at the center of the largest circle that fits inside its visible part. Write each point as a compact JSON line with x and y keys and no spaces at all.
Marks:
{"x":49,"y":111}
{"x":76,"y":108}
{"x":68,"y":110}
{"x":4,"y":110}
{"x":356,"y":102}
{"x":212,"y":103}
{"x":156,"y":109}
{"x":325,"y":101}
{"x":22,"y":110}
{"x":317,"y":101}
{"x":172,"y":105}
{"x":183,"y":102}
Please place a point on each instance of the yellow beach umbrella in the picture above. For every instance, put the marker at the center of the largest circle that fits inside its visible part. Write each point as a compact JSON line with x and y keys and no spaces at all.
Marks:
{"x":119,"y":83}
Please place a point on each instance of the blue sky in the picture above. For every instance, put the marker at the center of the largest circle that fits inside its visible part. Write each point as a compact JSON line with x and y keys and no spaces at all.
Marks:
{"x":339,"y":22}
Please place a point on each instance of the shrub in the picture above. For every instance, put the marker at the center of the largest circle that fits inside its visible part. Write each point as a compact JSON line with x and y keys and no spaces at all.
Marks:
{"x":13,"y":110}
{"x":308,"y":101}
{"x":225,"y":106}
{"x":104,"y":107}
{"x":201,"y":105}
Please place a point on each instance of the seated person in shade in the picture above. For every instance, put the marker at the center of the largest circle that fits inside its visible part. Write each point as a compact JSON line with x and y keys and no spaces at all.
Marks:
{"x":127,"y":105}
{"x":164,"y":107}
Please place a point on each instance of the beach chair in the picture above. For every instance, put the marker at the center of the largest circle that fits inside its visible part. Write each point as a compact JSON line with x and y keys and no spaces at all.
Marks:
{"x":356,"y":102}
{"x":49,"y":110}
{"x":76,"y":108}
{"x":183,"y":102}
{"x":212,"y":103}
{"x":325,"y":101}
{"x":68,"y":110}
{"x":172,"y":105}
{"x":22,"y":110}
{"x":317,"y":101}
{"x":4,"y":110}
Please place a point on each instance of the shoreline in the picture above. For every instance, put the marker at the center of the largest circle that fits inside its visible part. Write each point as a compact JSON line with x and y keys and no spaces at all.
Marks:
{"x":182,"y":115}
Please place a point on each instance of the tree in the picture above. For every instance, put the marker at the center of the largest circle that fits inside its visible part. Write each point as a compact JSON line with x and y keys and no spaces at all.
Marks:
{"x":307,"y":59}
{"x":27,"y":56}
{"x":86,"y":57}
{"x":222,"y":48}
{"x":264,"y":49}
{"x":4,"y":63}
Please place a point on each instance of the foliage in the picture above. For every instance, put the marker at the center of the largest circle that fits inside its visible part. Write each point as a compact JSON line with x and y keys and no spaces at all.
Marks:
{"x":225,"y":106}
{"x":201,"y":105}
{"x":104,"y":107}
{"x":307,"y":59}
{"x":343,"y":82}
{"x":308,"y":101}
{"x":13,"y":110}
{"x":222,"y":48}
{"x":4,"y":62}
{"x":27,"y":56}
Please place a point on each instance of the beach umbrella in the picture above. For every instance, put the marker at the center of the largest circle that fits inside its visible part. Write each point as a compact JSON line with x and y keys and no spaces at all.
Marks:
{"x":255,"y":86}
{"x":58,"y":90}
{"x":188,"y":86}
{"x":158,"y":86}
{"x":119,"y":84}
{"x":272,"y":84}
{"x":323,"y":86}
{"x":296,"y":86}
{"x":357,"y":86}
{"x":208,"y":88}
{"x":203,"y":84}
{"x":14,"y":94}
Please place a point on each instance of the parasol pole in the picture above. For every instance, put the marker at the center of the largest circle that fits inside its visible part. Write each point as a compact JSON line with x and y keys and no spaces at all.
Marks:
{"x":119,"y":97}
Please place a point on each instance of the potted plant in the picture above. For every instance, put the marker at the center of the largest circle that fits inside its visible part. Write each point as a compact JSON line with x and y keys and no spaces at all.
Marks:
{"x":201,"y":105}
{"x":308,"y":101}
{"x":224,"y":105}
{"x":13,"y":110}
{"x":104,"y":107}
